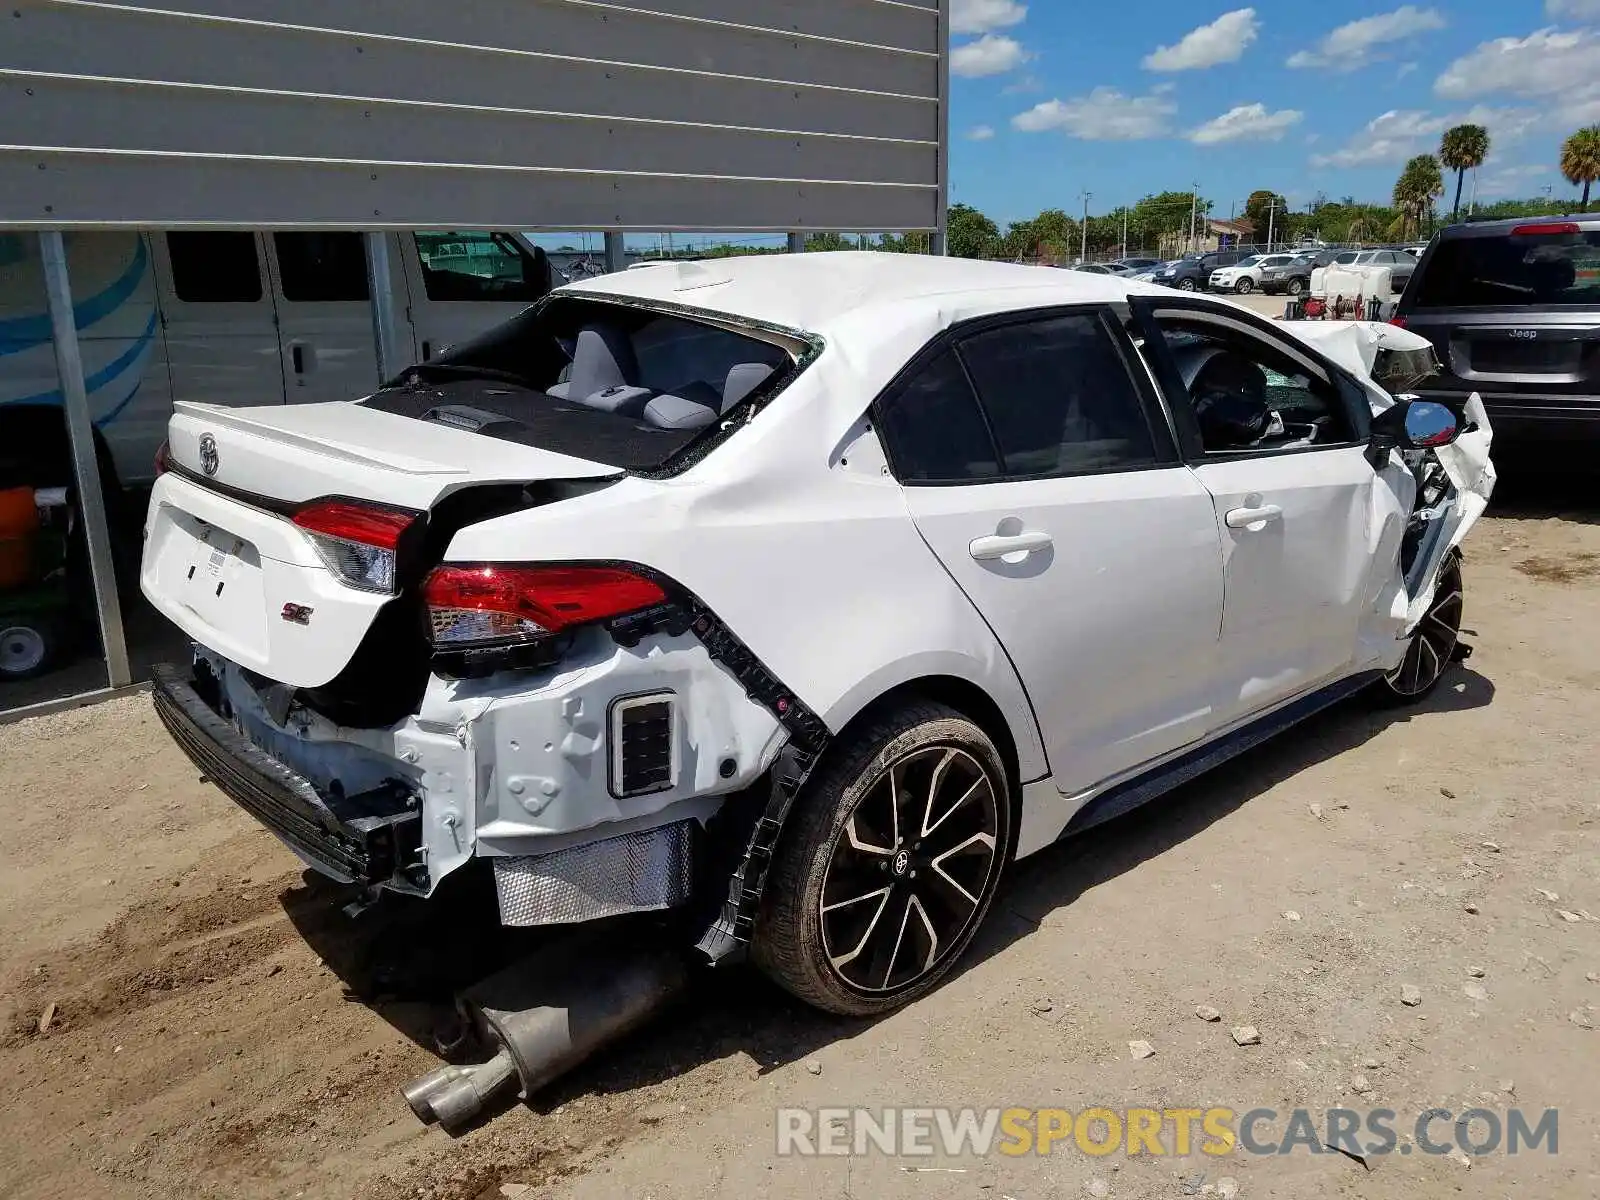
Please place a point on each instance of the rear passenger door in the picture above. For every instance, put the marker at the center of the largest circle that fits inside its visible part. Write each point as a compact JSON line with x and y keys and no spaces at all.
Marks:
{"x":324,"y":315}
{"x":1041,"y":471}
{"x":221,"y":331}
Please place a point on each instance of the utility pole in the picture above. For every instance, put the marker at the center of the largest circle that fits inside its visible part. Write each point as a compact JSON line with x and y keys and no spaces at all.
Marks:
{"x":1194,"y":209}
{"x":1083,"y":231}
{"x":1472,"y":204}
{"x":1272,"y":219}
{"x":1124,"y":231}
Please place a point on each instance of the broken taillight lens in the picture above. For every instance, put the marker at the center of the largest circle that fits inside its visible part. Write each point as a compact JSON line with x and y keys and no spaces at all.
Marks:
{"x":494,"y":604}
{"x":358,"y":542}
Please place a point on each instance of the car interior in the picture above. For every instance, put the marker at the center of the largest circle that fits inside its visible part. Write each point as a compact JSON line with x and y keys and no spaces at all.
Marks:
{"x":1245,"y":397}
{"x":657,"y":370}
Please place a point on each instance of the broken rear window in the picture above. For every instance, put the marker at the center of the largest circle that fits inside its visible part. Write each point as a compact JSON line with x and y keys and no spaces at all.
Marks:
{"x":620,"y":384}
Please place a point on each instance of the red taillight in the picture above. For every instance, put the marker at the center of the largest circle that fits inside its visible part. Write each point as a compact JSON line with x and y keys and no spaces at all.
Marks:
{"x":163,"y":458}
{"x":1545,"y":229}
{"x":355,"y":522}
{"x":494,"y":604}
{"x":1400,"y":321}
{"x":356,"y":541}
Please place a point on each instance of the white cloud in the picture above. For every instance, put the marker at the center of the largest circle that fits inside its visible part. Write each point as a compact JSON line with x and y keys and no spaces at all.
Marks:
{"x":980,"y":133}
{"x":1247,"y":122}
{"x":1559,"y":69}
{"x":1511,"y":180}
{"x":1354,"y":45}
{"x":983,"y":16}
{"x":1104,"y":115}
{"x":1545,"y":63}
{"x":1572,"y":8}
{"x":1222,"y":41}
{"x":1396,"y":135}
{"x":992,"y":54}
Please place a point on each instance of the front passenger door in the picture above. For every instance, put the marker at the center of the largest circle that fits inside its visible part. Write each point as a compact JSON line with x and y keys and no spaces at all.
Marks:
{"x":1309,"y":530}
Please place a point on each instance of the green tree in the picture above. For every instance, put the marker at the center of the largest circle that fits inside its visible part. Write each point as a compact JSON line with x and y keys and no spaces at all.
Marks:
{"x":829,"y":241}
{"x":1265,"y":211}
{"x":970,"y":234}
{"x":1580,"y":159}
{"x":1414,"y":191}
{"x":1462,"y":149}
{"x":1051,"y":234}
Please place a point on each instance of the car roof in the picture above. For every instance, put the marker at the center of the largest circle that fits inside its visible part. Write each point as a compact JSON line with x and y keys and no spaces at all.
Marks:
{"x":1476,"y":228}
{"x":813,"y":291}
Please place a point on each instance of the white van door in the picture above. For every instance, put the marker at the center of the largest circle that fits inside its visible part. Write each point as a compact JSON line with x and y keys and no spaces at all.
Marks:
{"x":463,"y":283}
{"x":221,"y":332}
{"x":319,"y":281}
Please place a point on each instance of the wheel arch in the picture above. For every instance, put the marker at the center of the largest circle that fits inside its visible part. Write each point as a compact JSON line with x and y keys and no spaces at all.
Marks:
{"x":994,"y":698}
{"x":968,"y":699}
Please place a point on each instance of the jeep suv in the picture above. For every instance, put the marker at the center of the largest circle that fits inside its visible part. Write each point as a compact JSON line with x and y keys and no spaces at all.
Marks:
{"x":1513,"y":310}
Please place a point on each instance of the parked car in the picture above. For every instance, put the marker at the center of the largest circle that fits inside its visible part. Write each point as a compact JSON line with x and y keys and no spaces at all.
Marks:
{"x":1248,"y":274}
{"x":1148,"y":275}
{"x":1089,"y":268}
{"x":1294,"y":277}
{"x":1134,"y":266}
{"x":1192,"y":274}
{"x":1513,"y":309}
{"x":769,"y":591}
{"x":243,"y":318}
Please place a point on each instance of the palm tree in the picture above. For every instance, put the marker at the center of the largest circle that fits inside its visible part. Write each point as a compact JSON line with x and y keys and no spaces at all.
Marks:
{"x":1580,"y":159}
{"x":1414,"y":191}
{"x":1462,"y":149}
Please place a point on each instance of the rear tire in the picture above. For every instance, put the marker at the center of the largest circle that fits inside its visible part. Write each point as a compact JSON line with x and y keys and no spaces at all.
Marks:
{"x":1432,"y":647}
{"x":888,"y":864}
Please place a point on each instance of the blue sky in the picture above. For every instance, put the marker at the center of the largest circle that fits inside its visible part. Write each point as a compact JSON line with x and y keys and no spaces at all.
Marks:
{"x":1054,"y":97}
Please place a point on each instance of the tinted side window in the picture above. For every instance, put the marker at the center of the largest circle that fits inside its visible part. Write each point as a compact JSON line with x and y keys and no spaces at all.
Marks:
{"x":1059,"y":397}
{"x":321,"y":266}
{"x":479,"y":266}
{"x":214,"y":268}
{"x":933,"y":429}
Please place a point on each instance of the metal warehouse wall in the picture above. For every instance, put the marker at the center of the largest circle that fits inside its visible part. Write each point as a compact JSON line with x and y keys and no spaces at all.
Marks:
{"x":561,"y":114}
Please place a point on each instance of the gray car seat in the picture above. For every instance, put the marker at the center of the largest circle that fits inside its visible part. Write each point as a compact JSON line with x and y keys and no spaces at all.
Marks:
{"x":602,"y":362}
{"x":698,"y":404}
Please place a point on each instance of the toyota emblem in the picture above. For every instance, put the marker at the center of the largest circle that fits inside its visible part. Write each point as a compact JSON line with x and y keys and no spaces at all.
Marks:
{"x":209,"y":461}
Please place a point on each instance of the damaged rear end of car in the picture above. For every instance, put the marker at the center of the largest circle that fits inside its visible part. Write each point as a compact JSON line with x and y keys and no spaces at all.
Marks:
{"x":393,"y":710}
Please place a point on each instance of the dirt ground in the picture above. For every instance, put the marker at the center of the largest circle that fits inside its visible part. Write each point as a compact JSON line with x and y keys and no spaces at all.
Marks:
{"x":219,"y":1028}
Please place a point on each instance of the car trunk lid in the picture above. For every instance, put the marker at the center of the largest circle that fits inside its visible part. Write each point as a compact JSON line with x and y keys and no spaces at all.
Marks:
{"x":294,"y":453}
{"x":226,"y":561}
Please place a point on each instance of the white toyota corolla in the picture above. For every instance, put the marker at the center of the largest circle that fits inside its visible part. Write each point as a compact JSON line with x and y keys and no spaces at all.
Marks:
{"x":798,"y":595}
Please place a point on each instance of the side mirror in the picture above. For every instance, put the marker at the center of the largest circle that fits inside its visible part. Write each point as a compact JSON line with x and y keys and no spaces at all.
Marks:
{"x":1415,"y":425}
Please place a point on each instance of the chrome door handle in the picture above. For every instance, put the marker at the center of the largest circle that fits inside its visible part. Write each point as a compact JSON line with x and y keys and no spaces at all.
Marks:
{"x":997,"y":545}
{"x":1243,"y":518}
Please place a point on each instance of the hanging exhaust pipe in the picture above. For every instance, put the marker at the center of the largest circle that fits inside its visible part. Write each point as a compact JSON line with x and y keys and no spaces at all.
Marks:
{"x":546,"y":1014}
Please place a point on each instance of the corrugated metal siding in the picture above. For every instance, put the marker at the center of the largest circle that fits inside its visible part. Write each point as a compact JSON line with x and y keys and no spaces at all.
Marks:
{"x":659,"y":114}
